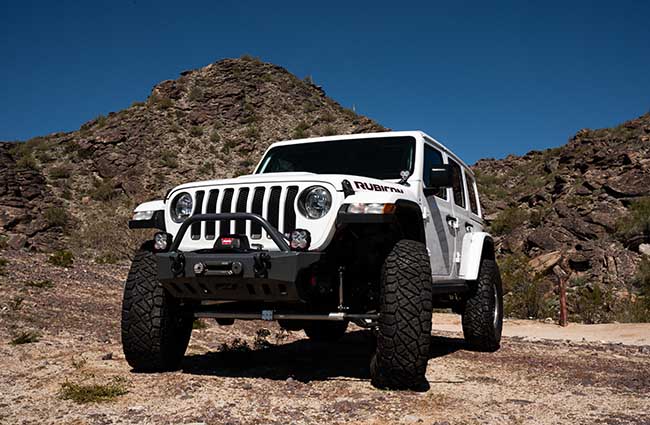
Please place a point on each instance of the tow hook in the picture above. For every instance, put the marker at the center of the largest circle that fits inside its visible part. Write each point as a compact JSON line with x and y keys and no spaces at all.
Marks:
{"x":178,"y":264}
{"x":262,"y":264}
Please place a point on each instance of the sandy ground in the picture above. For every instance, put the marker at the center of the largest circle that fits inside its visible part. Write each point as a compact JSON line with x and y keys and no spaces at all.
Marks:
{"x":530,"y":330}
{"x":530,"y":380}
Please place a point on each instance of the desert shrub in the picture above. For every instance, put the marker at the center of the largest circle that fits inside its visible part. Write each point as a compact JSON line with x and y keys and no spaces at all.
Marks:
{"x":56,"y":216}
{"x":640,"y":309}
{"x":196,"y":131}
{"x":25,"y":337}
{"x":199,"y":324}
{"x":249,"y":113}
{"x":27,"y":161}
{"x":309,"y":107}
{"x":525,"y":293}
{"x":300,"y":131}
{"x":329,"y":131}
{"x":237,"y":345}
{"x":3,"y":265}
{"x":195,"y":94}
{"x":60,"y":172}
{"x":107,"y":258}
{"x":261,"y":341}
{"x":490,"y":185}
{"x":327,"y":117}
{"x":108,"y":237}
{"x":642,"y":277}
{"x":100,"y":121}
{"x":246,"y":163}
{"x":537,"y":215}
{"x":137,"y":104}
{"x":636,"y":221}
{"x":252,"y":132}
{"x":227,"y":146}
{"x":206,"y":168}
{"x":92,"y":393}
{"x":4,"y":241}
{"x":214,"y":137}
{"x":250,"y":58}
{"x":61,"y":258}
{"x":43,"y":156}
{"x":632,"y":310}
{"x":103,"y":190}
{"x":40,"y":284}
{"x":590,"y":304}
{"x":349,"y":113}
{"x":508,"y":220}
{"x":161,"y":102}
{"x":168,"y":159}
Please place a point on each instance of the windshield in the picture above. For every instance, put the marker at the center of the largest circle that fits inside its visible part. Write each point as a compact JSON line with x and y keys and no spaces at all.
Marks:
{"x":381,"y":158}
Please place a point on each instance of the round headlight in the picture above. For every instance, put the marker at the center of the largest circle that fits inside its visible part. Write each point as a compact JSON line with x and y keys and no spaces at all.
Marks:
{"x":182,"y":207}
{"x":316,"y":201}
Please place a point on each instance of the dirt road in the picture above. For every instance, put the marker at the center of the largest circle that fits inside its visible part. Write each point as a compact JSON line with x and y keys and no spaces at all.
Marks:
{"x":282,"y":378}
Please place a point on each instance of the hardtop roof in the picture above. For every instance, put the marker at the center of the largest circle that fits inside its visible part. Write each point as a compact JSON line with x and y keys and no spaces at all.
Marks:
{"x":413,"y":133}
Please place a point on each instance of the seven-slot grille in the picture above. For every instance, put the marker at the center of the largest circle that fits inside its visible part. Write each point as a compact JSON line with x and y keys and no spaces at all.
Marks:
{"x":274,"y":203}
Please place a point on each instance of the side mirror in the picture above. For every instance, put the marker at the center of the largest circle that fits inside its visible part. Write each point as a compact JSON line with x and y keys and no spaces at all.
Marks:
{"x":440,"y":176}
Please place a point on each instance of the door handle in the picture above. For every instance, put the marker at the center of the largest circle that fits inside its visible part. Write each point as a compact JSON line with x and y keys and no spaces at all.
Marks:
{"x":452,"y":221}
{"x":469,"y":227}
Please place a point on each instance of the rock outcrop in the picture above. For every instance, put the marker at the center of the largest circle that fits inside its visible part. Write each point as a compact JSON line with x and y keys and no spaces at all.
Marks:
{"x":570,"y":203}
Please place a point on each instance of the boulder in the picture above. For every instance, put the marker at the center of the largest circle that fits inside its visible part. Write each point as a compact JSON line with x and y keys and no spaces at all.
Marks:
{"x":545,"y":262}
{"x":644,"y":249}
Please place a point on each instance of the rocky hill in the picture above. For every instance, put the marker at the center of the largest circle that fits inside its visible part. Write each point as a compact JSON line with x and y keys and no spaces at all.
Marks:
{"x":581,"y":209}
{"x":78,"y":189}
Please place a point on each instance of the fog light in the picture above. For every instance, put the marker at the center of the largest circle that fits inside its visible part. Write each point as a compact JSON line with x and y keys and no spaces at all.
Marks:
{"x":300,"y":240}
{"x":199,"y":268}
{"x":162,"y":241}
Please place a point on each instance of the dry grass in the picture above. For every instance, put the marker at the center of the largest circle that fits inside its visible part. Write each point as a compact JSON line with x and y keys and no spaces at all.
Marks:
{"x":92,"y":393}
{"x":25,"y":337}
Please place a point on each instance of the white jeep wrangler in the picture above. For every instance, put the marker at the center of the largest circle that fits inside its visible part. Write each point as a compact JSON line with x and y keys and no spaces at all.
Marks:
{"x":374,"y":229}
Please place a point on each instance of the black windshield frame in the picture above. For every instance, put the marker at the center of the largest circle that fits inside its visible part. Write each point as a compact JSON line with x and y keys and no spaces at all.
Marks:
{"x":377,"y":157}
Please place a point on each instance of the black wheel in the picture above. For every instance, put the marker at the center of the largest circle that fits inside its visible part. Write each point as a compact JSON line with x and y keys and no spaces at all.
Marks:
{"x":483,"y":310}
{"x":155,"y":332}
{"x":323,"y":331}
{"x":404,"y":332}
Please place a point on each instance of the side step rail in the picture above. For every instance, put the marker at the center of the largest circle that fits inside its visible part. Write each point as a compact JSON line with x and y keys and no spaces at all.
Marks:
{"x":272,"y":315}
{"x":448,"y":287}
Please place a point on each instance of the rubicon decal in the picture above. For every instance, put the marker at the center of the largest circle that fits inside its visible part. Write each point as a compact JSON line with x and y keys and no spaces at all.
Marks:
{"x":376,"y":187}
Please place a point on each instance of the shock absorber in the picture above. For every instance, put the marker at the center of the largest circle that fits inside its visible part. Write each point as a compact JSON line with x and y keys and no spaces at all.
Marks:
{"x":342,"y":306}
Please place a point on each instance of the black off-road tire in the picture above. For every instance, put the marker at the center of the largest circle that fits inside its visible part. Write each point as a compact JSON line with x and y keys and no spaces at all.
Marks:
{"x":483,"y":310}
{"x":155,"y":331}
{"x":404,"y":333}
{"x":322,"y":331}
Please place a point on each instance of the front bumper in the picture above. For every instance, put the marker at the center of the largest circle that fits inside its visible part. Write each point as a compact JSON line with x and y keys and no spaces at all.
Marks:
{"x":251,"y":276}
{"x":254,"y":275}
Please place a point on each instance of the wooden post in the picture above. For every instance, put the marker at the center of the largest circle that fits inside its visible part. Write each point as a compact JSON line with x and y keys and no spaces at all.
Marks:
{"x":562,"y":281}
{"x":563,"y":310}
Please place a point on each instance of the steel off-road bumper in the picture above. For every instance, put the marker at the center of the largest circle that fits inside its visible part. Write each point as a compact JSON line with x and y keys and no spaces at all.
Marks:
{"x":254,"y":275}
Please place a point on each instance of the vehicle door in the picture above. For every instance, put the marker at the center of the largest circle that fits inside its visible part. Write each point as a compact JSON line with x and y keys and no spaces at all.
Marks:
{"x":440,"y":235}
{"x":460,"y":218}
{"x":475,"y":222}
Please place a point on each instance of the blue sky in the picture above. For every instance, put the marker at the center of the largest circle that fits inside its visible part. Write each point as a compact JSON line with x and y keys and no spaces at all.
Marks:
{"x":487,"y":79}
